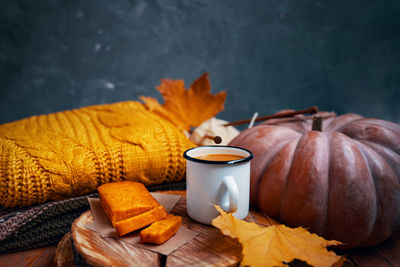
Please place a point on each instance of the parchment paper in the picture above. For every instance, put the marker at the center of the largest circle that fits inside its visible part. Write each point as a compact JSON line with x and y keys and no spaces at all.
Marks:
{"x":103,"y":226}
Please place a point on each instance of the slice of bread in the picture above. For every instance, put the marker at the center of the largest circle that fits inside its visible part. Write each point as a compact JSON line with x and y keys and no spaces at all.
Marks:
{"x":122,"y":200}
{"x":162,"y":230}
{"x":133,"y":223}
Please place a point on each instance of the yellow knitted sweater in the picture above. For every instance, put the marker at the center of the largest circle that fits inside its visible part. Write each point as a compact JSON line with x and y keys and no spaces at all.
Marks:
{"x":70,"y":153}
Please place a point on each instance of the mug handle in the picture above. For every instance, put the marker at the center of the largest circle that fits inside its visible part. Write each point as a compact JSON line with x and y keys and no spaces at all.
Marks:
{"x":233,"y":192}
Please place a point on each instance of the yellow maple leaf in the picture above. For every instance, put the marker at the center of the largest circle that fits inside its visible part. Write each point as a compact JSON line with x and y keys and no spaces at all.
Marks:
{"x":186,"y":108}
{"x":277,"y":245}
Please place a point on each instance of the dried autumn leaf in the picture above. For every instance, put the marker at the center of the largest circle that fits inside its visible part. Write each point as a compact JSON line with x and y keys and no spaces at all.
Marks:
{"x":186,"y":108}
{"x":277,"y":245}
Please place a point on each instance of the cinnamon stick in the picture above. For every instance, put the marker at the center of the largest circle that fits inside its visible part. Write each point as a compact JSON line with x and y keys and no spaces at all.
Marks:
{"x":311,"y":110}
{"x":290,"y":119}
{"x":217,"y":139}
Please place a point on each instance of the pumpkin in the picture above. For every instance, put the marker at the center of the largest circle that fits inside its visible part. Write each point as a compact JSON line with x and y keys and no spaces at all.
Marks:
{"x":341,"y":183}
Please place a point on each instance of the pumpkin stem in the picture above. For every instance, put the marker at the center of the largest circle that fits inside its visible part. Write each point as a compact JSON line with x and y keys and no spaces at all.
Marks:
{"x":317,"y":124}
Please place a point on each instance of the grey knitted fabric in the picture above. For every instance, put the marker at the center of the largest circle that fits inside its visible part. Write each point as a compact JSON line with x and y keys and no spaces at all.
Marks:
{"x":39,"y":225}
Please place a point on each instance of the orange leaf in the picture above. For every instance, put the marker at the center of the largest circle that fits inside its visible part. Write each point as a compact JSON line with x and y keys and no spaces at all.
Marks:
{"x":277,"y":245}
{"x":186,"y":108}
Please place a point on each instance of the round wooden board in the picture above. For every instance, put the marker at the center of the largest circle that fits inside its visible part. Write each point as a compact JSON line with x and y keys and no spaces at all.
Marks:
{"x":64,"y":256}
{"x":210,"y":247}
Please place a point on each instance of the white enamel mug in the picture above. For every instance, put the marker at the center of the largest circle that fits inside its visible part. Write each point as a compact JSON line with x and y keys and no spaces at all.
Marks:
{"x":224,"y":183}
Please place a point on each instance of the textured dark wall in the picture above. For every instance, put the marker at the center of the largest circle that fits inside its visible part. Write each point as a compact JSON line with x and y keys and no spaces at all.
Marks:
{"x":269,"y":54}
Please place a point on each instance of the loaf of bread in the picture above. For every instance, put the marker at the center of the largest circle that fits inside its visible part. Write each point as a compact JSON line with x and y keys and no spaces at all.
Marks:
{"x":130,"y":206}
{"x":122,"y":200}
{"x":162,"y":230}
{"x":139,"y":221}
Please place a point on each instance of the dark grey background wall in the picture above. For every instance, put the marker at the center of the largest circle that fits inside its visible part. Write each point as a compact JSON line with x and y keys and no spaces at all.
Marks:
{"x":269,"y":54}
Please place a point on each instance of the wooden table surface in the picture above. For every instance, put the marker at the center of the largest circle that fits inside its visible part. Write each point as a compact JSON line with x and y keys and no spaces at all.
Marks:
{"x":386,"y":254}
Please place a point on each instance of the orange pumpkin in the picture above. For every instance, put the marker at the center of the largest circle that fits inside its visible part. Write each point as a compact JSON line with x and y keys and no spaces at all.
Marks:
{"x":341,"y":183}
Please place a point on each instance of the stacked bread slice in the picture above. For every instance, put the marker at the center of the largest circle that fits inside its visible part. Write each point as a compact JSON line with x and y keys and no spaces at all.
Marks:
{"x":130,"y":206}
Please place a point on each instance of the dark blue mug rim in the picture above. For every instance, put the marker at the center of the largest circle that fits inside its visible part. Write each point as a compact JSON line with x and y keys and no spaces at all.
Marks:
{"x":229,"y":162}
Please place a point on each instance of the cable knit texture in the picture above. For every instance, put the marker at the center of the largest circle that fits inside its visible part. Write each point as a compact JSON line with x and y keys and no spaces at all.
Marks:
{"x":70,"y":153}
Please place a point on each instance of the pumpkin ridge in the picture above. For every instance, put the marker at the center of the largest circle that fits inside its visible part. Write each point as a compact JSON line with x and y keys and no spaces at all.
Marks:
{"x":273,"y":164}
{"x":341,"y":121}
{"x":267,"y":163}
{"x":325,"y":223}
{"x":283,"y":189}
{"x":372,"y":158}
{"x":304,"y":207}
{"x":350,"y":181}
{"x":395,"y":167}
{"x":370,"y":142}
{"x":381,"y":123}
{"x":387,"y":133}
{"x":378,"y":203}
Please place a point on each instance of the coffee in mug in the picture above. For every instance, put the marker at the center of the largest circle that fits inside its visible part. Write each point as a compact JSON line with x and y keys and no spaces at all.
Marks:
{"x":217,"y":175}
{"x":221,"y":157}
